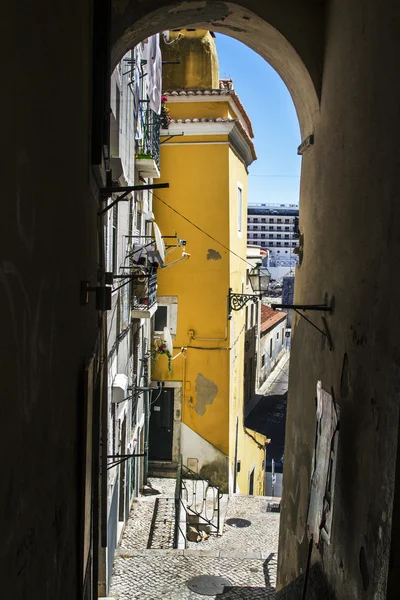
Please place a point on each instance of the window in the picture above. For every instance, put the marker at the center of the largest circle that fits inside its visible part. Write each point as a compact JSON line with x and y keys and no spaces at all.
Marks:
{"x":286,"y":243}
{"x":287,"y":228}
{"x":255,"y":220}
{"x":279,"y":228}
{"x":270,"y":221}
{"x":286,"y":220}
{"x":278,"y":235}
{"x":286,"y":235}
{"x":279,"y":220}
{"x":166,"y":314}
{"x":283,"y":334}
{"x":262,"y":227}
{"x":279,"y":243}
{"x":255,"y":227}
{"x":277,"y":336}
{"x":293,"y":243}
{"x":263,"y":235}
{"x":240,"y":207}
{"x":270,"y":348}
{"x":255,"y":235}
{"x":161,"y":318}
{"x":262,"y":220}
{"x":263,"y":360}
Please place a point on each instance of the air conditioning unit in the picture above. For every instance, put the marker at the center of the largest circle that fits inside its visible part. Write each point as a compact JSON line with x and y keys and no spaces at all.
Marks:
{"x":119,"y":388}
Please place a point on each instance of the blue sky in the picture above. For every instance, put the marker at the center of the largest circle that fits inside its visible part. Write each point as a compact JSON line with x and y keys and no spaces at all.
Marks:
{"x":275,"y":175}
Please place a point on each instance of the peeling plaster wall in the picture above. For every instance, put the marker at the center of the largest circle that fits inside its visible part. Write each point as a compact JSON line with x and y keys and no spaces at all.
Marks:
{"x":206,"y":391}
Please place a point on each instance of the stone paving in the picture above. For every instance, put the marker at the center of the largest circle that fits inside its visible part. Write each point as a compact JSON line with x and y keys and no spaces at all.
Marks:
{"x":247,"y":557}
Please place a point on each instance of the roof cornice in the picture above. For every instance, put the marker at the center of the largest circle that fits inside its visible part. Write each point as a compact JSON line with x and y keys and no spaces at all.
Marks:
{"x":237,"y":135}
{"x":220,"y":95}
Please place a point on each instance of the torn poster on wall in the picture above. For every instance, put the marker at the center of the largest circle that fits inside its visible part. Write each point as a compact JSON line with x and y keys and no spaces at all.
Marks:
{"x":327,"y":423}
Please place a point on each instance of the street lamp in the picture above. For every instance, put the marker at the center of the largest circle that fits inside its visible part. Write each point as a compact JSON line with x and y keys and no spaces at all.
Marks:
{"x":259,"y":278}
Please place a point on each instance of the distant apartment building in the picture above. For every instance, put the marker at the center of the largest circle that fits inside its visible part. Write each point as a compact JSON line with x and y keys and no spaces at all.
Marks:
{"x":274,"y":228}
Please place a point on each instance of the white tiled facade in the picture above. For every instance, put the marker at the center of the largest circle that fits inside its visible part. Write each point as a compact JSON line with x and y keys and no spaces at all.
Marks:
{"x":272,"y":227}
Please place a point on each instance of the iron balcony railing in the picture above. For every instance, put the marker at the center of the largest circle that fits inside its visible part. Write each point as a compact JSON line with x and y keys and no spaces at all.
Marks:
{"x":199,"y":500}
{"x":149,"y":144}
{"x":144,"y":291}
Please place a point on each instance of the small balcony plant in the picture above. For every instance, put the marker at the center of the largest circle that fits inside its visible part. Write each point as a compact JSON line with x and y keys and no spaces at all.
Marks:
{"x":164,"y":116}
{"x":161,"y":348}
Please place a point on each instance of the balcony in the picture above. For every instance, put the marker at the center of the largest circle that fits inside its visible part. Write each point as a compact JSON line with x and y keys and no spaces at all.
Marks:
{"x":144,"y":296}
{"x":147,"y":158}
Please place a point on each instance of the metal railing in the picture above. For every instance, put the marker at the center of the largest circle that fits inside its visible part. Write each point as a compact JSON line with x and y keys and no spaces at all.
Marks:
{"x":149,"y":144}
{"x":144,"y":291}
{"x":198,"y":499}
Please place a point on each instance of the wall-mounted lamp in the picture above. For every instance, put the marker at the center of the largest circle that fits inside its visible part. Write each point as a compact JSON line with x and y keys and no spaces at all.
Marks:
{"x":259,"y":278}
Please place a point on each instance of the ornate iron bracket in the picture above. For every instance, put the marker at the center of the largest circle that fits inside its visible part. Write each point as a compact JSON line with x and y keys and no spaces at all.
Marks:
{"x":238,"y":301}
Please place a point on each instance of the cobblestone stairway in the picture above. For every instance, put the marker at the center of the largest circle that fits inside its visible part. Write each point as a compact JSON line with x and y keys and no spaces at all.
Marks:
{"x":147,"y":568}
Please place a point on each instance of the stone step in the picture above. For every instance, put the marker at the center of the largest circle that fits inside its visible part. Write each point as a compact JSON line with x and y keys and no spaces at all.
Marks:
{"x":163,"y":469}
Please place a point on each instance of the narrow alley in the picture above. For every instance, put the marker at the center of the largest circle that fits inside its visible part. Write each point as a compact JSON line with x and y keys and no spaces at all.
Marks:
{"x":146,"y":567}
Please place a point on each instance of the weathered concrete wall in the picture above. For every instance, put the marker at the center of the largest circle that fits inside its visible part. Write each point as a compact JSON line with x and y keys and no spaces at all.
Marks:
{"x":349,"y":216}
{"x":47,"y":246}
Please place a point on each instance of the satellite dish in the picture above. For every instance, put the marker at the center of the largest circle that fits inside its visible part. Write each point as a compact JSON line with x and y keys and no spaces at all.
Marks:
{"x":159,"y":242}
{"x":168,"y":340}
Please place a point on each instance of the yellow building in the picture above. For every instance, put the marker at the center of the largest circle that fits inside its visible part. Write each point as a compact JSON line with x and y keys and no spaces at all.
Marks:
{"x":199,"y":413}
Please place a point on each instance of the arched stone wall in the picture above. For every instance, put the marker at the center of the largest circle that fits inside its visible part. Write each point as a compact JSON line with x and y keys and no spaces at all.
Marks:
{"x":290,"y":38}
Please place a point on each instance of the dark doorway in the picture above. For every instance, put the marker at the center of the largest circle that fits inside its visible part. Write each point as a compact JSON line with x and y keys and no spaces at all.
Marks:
{"x":161,"y":424}
{"x":251,"y":484}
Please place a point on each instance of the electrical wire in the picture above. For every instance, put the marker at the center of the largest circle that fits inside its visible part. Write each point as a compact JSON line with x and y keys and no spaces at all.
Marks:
{"x":202,"y":230}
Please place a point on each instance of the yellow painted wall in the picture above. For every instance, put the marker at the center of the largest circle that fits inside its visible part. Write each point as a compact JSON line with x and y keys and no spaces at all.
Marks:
{"x":251,"y":452}
{"x":199,"y":189}
{"x":203,"y":178}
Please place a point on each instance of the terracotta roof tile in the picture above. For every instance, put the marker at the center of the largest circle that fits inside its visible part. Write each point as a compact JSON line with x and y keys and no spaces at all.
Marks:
{"x":270,"y":317}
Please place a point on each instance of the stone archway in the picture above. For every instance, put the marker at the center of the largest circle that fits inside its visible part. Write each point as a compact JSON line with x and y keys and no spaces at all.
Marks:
{"x":290,"y":39}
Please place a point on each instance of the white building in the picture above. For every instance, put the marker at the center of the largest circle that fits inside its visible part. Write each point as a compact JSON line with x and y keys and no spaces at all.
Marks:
{"x":272,"y":342}
{"x":274,"y":227}
{"x":128,"y":227}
